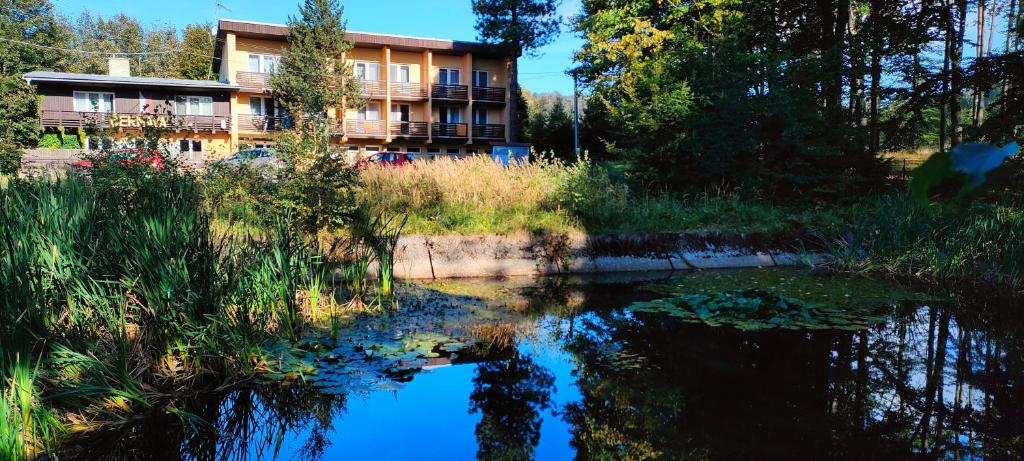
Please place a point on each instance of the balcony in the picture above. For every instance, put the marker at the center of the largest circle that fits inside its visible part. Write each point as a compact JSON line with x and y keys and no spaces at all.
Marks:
{"x":409,"y":129}
{"x":449,"y":130}
{"x":365,"y":128}
{"x":261,"y":123}
{"x":450,"y":92}
{"x":257,"y":82}
{"x":373,"y":89}
{"x":408,"y":91}
{"x":73,"y":119}
{"x":489,"y":94}
{"x":489,"y":131}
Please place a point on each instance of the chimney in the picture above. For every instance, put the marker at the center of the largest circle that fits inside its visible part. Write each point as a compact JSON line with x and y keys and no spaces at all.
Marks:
{"x":119,"y":67}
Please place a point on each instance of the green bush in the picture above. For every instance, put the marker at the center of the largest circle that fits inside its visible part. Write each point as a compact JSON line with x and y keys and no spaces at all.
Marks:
{"x":50,"y":141}
{"x":70,"y":141}
{"x":10,"y":158}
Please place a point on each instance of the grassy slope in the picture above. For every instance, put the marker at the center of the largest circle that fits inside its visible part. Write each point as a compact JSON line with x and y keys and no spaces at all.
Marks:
{"x":474,"y":196}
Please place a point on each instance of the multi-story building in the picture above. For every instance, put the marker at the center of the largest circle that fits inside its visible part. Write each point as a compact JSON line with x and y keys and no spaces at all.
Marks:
{"x":427,"y":96}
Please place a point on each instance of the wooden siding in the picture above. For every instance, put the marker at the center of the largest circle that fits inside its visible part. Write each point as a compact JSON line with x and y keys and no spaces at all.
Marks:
{"x":126,"y":100}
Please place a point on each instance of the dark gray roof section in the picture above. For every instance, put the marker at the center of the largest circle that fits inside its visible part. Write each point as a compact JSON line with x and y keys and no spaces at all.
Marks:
{"x":110,"y":80}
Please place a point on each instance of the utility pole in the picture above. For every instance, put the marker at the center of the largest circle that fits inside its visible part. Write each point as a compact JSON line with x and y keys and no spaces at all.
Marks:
{"x":575,"y":116}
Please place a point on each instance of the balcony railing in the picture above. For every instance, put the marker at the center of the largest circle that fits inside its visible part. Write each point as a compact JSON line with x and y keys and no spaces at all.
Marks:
{"x":373,"y":89}
{"x":402,"y":90}
{"x":488,"y":94}
{"x":449,"y":130}
{"x":450,"y":92}
{"x":363,"y":128}
{"x":491,"y":131}
{"x":409,"y":129}
{"x":248,"y":122}
{"x":74,"y":119}
{"x":253,"y":81}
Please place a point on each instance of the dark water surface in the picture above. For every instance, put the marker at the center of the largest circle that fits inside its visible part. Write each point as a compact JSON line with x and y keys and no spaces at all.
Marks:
{"x":561,"y":369}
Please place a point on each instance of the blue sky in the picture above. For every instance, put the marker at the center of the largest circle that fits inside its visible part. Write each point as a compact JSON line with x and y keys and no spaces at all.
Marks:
{"x":451,"y":19}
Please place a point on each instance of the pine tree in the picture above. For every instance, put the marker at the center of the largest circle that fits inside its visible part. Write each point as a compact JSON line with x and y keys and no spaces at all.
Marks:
{"x":313,"y":78}
{"x":522,"y":27}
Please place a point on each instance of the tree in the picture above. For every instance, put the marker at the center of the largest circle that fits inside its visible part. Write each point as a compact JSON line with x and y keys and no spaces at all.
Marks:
{"x":522,"y":27}
{"x":118,"y":34}
{"x":164,"y":59}
{"x":196,"y":59}
{"x":313,"y":78}
{"x":29,"y":22}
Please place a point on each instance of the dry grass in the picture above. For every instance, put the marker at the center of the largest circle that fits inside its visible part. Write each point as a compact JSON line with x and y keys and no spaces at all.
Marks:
{"x":910,"y":158}
{"x":467,"y":195}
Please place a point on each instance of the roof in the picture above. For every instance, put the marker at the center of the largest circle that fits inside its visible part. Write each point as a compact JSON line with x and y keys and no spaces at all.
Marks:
{"x":272,"y":31}
{"x":111,"y":80}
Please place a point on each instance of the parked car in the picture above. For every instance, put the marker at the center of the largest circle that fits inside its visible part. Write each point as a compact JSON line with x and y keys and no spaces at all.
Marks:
{"x":124,"y":156}
{"x":386,"y":159}
{"x":255,"y":157}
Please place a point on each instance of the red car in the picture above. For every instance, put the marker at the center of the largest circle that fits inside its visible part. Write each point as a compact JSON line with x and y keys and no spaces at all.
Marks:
{"x":125,"y":156}
{"x":386,"y":159}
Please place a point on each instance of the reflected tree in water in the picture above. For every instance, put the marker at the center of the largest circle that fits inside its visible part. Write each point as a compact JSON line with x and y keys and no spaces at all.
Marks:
{"x":931,"y":383}
{"x":510,"y":392}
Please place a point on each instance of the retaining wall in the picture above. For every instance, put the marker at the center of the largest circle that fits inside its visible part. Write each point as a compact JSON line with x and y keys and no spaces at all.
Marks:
{"x":426,"y":257}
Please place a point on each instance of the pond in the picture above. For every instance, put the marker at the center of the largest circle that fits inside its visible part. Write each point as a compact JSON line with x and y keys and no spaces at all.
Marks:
{"x":785,"y":365}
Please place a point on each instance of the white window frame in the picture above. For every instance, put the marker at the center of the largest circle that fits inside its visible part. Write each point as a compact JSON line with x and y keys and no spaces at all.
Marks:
{"x":265,"y":63}
{"x":263,"y":106}
{"x":363,"y":113}
{"x":396,"y":70}
{"x":367,"y":65}
{"x":188,"y":104}
{"x":486,"y":80}
{"x":448,"y":72}
{"x":190,"y":153}
{"x":96,"y":110}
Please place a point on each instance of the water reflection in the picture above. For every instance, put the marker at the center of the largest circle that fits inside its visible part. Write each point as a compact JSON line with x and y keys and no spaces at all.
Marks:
{"x":510,"y":393}
{"x":939,"y":381}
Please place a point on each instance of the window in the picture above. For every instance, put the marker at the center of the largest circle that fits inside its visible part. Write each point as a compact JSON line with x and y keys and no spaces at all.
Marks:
{"x":453,"y":151}
{"x":372,"y":149}
{"x":400,"y":73}
{"x":352,"y":148}
{"x":447,"y":76}
{"x":193,"y":105}
{"x":450,"y":114}
{"x":189,"y":147}
{"x":434,"y":150}
{"x":413,"y":150}
{"x":94,"y":101}
{"x":370,"y":111}
{"x":479,"y":116}
{"x":400,"y":112}
{"x":264,"y":63}
{"x":261,"y":106}
{"x":470,"y":151}
{"x":481,"y":78}
{"x":367,"y":71}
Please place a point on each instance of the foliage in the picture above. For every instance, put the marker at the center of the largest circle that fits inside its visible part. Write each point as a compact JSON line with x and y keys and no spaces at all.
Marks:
{"x":19,"y":121}
{"x":196,"y":59}
{"x":311,"y":78}
{"x":49,"y":141}
{"x":756,"y":310}
{"x":31,"y":21}
{"x":766,"y":95}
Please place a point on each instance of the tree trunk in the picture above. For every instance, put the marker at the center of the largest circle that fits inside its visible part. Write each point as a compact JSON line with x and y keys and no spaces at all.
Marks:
{"x":978,"y":101}
{"x":876,"y":73}
{"x":956,"y":72}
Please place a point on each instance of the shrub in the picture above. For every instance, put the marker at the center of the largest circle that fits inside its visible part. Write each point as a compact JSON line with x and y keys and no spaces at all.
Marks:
{"x":50,"y":141}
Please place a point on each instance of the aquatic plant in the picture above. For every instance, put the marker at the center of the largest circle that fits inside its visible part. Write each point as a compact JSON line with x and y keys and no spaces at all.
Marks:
{"x":757,"y":309}
{"x":383,"y":238}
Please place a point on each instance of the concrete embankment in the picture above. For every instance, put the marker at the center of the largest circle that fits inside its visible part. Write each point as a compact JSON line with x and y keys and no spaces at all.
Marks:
{"x":455,"y":256}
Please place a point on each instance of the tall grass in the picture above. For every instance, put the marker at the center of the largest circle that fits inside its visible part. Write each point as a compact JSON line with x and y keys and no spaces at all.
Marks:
{"x":477,"y":195}
{"x":125,"y":292}
{"x":980,"y":242}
